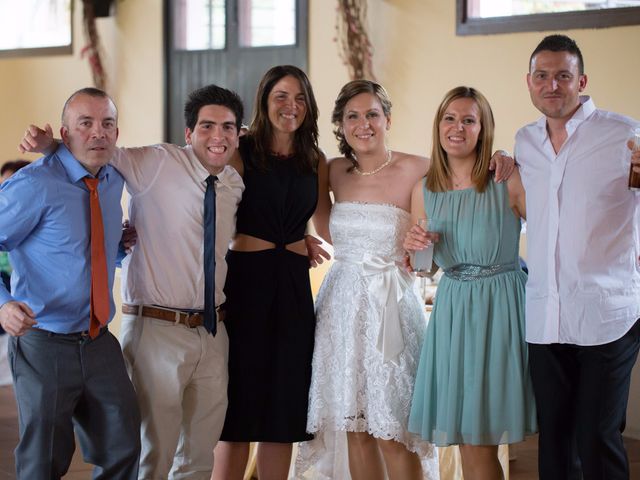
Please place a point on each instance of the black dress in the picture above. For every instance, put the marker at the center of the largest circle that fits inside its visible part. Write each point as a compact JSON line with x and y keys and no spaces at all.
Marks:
{"x":270,"y":317}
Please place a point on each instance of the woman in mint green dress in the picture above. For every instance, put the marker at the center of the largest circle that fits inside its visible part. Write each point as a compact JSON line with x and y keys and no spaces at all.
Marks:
{"x":472,"y":387}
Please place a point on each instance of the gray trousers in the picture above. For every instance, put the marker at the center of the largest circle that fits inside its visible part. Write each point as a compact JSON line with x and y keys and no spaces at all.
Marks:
{"x":67,"y":381}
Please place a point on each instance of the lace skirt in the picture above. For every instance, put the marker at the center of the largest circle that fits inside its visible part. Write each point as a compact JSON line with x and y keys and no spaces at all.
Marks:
{"x":353,"y":389}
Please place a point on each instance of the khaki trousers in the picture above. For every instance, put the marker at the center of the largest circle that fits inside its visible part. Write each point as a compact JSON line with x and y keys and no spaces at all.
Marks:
{"x":180,"y":376}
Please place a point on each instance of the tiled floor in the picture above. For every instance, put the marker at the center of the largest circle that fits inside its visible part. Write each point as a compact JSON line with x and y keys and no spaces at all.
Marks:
{"x":523,"y":468}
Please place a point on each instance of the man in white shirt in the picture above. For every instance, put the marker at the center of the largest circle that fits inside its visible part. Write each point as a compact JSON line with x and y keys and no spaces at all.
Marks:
{"x":175,"y":349}
{"x":177,"y":363}
{"x":583,"y":292}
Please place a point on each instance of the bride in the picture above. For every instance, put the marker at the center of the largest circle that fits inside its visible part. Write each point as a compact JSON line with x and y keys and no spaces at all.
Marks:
{"x":370,"y":324}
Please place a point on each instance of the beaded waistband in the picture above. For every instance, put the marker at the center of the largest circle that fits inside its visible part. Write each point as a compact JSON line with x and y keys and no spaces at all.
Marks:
{"x":465,"y":272}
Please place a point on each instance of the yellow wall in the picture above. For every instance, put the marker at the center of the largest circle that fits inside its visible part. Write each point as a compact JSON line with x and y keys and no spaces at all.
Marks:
{"x":33,"y":89}
{"x":417,"y":57}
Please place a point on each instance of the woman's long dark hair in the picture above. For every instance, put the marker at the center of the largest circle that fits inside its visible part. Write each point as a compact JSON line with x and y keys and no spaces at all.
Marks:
{"x":305,"y":141}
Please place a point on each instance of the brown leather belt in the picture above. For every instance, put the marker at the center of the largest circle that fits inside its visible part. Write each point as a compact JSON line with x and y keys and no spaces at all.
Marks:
{"x":191,"y":320}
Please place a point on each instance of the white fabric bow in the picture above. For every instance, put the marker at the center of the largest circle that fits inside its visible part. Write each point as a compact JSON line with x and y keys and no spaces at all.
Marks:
{"x":387,"y":285}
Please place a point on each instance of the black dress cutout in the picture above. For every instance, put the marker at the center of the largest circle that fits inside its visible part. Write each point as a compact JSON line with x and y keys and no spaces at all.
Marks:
{"x":270,"y":316}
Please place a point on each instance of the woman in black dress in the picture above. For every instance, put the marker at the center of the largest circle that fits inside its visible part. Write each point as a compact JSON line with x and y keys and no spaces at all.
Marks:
{"x":270,"y":316}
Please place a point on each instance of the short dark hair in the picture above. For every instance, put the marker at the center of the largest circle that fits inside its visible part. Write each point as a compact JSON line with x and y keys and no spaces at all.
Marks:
{"x":90,"y":91}
{"x":13,"y":166}
{"x":559,"y":43}
{"x":212,"y":95}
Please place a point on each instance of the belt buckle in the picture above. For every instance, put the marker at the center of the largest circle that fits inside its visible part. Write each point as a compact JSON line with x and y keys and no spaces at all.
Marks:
{"x":84,"y":334}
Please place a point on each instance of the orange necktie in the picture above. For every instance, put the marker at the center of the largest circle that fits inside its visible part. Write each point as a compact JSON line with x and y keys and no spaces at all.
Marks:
{"x":99,"y":280}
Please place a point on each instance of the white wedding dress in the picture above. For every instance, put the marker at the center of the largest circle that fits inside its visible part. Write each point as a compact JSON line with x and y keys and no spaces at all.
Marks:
{"x":369,"y":333}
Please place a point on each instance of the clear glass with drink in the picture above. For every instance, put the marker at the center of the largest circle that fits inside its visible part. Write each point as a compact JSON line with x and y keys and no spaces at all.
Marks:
{"x":634,"y":178}
{"x":421,"y":260}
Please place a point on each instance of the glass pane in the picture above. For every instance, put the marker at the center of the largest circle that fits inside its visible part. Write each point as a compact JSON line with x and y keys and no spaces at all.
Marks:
{"x":267,"y":22}
{"x":507,"y":8}
{"x":35,"y":24}
{"x":199,"y":24}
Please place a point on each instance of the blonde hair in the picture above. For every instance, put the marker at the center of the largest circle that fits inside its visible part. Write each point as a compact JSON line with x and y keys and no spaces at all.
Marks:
{"x":439,"y":174}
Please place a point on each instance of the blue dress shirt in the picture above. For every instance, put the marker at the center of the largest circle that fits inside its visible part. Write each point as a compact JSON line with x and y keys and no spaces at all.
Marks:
{"x":45,"y":224}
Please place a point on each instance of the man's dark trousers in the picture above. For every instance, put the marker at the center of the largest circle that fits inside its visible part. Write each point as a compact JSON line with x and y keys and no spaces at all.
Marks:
{"x":581,"y":396}
{"x":66,"y":381}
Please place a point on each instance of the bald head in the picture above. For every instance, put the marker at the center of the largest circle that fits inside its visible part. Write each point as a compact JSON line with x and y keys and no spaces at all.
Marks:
{"x":91,"y":92}
{"x":90,"y":128}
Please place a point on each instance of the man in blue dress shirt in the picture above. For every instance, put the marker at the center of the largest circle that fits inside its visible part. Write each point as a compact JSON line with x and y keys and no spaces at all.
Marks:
{"x":63,"y":377}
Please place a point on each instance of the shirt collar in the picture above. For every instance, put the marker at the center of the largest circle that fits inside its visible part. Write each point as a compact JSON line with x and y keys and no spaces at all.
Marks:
{"x":586,"y":108}
{"x":75,"y":170}
{"x":225,"y":177}
{"x":229,"y":177}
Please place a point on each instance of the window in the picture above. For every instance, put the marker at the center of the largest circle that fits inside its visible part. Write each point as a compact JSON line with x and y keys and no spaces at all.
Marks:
{"x":200,"y":25}
{"x":503,"y":16}
{"x":35,"y":27}
{"x":267,"y":23}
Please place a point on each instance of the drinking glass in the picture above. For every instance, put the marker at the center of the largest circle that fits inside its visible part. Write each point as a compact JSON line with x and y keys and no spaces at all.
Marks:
{"x":421,"y":260}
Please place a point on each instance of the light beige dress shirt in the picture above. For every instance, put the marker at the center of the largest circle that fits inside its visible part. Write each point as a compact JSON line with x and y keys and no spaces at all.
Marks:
{"x":167,"y":186}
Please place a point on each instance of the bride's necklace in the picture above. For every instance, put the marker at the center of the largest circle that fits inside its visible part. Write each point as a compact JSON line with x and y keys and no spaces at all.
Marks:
{"x":375,"y":170}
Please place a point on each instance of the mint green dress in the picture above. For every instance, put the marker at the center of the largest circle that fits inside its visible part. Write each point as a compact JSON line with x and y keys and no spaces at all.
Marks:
{"x":473,"y":384}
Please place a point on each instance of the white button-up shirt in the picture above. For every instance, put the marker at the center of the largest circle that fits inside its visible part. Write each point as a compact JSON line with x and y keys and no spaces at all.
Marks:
{"x":583,"y":230}
{"x":167,"y":184}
